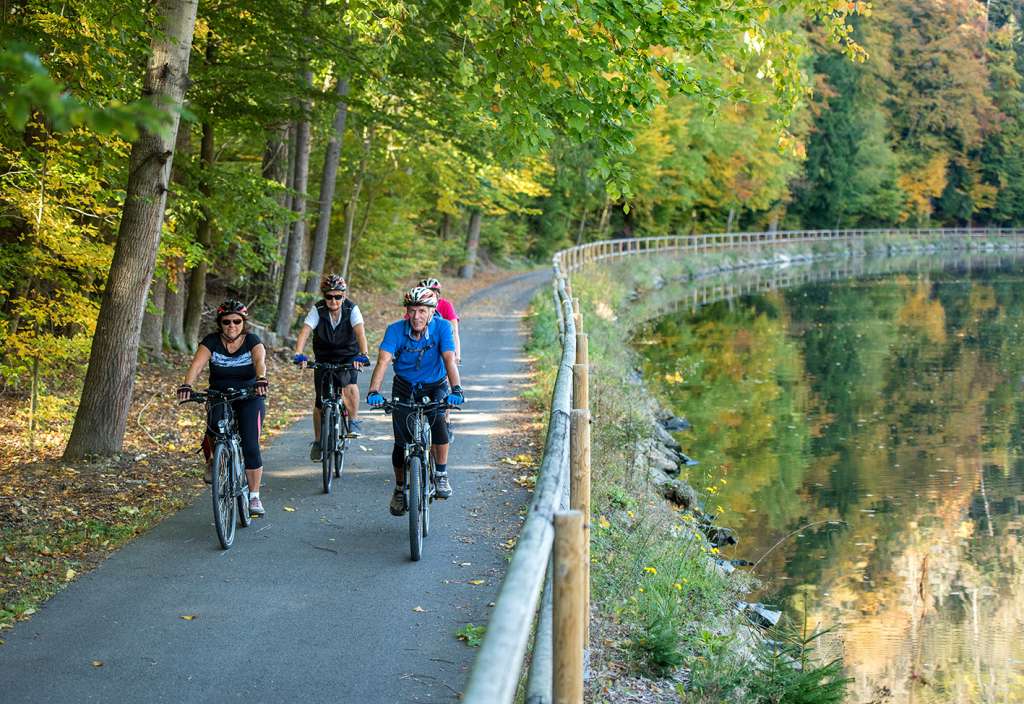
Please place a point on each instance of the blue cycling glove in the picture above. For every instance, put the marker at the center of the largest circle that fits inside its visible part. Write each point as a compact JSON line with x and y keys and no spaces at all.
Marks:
{"x":362,"y":359}
{"x":299,"y":359}
{"x":456,"y":397}
{"x":374,"y":398}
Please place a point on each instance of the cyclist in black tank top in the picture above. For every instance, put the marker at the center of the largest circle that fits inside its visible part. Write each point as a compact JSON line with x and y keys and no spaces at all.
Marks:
{"x":336,"y":326}
{"x":237,"y":360}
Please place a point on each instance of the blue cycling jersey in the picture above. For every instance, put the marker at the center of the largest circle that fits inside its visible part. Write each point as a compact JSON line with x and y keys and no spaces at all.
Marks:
{"x":419,"y":361}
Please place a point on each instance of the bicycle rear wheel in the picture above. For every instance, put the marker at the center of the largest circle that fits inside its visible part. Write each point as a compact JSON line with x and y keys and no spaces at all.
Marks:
{"x":241,"y":489}
{"x":341,"y":444}
{"x":223,"y":495}
{"x":414,"y":477}
{"x":327,"y":441}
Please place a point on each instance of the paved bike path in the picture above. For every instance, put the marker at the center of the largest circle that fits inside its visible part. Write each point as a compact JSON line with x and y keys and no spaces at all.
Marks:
{"x":316,"y":604}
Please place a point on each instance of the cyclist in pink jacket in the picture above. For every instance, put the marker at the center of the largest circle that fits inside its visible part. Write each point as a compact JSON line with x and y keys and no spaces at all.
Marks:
{"x":447,"y":311}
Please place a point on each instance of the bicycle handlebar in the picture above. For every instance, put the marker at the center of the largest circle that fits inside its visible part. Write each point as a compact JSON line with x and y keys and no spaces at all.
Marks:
{"x":217,"y":395}
{"x":333,"y":365}
{"x":389,"y":406}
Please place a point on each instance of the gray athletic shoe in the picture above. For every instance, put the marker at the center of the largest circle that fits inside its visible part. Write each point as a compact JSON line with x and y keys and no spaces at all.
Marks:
{"x":355,"y":428}
{"x":316,"y":453}
{"x":256,"y":507}
{"x":444,"y":488}
{"x":397,"y":505}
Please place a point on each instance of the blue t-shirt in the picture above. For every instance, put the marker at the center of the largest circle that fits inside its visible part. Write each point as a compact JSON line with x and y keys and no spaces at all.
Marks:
{"x":419,"y":361}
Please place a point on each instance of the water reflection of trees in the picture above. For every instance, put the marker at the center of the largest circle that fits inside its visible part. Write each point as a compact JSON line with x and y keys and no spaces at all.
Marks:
{"x":891,"y":403}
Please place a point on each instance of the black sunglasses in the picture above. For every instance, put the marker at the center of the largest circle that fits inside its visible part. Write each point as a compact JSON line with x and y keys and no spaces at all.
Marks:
{"x":334,"y":296}
{"x":236,"y":321}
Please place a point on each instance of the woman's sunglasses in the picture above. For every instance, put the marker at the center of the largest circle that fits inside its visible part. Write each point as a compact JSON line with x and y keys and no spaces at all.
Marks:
{"x":334,"y":296}
{"x":233,"y":321}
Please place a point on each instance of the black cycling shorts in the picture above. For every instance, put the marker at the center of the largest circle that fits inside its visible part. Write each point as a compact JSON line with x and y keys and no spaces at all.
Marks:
{"x":400,"y":417}
{"x":342,"y":378}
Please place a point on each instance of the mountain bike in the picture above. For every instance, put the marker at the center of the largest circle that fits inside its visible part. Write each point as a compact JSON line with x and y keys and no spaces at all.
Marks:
{"x":229,"y":489}
{"x":420,"y":482}
{"x":334,"y":421}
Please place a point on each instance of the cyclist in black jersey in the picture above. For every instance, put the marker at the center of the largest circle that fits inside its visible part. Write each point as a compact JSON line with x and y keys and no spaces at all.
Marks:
{"x":336,"y":325}
{"x":237,"y":360}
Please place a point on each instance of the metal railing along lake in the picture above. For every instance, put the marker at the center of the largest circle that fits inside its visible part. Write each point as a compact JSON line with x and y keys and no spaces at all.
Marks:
{"x":547,"y":581}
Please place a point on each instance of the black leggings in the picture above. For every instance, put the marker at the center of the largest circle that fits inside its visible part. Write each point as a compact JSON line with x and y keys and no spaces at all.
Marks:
{"x":401,"y":418}
{"x":249,"y":414}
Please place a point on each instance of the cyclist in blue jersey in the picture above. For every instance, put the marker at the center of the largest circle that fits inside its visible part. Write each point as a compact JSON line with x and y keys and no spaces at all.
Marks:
{"x":422,"y":350}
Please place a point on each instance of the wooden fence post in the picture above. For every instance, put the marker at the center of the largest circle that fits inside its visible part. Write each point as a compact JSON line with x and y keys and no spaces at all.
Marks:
{"x":568,"y":598}
{"x":576,"y":315}
{"x":581,"y":374}
{"x":579,"y":496}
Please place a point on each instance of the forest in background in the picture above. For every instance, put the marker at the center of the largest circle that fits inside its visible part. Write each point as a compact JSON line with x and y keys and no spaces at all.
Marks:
{"x":391,"y":140}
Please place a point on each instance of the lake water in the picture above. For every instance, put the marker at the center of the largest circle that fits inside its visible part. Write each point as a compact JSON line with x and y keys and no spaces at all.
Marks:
{"x":864,"y":439}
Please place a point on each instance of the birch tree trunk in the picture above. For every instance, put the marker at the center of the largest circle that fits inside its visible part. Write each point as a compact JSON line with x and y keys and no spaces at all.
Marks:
{"x":107,"y":393}
{"x":293,"y":258}
{"x":472,"y":244}
{"x":323,"y":223}
{"x":152,"y":323}
{"x":204,"y":237}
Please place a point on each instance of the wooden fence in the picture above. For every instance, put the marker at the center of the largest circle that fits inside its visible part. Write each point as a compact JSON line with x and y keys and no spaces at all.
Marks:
{"x":546,"y":590}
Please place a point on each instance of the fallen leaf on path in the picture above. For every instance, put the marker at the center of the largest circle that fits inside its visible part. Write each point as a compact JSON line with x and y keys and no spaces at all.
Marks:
{"x":189,"y":617}
{"x":97,"y":663}
{"x":476,"y":582}
{"x":419,"y":609}
{"x":69,"y":575}
{"x":289,"y":509}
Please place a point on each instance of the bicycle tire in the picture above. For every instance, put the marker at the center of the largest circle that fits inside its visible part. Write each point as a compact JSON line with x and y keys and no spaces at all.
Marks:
{"x":341,"y":445}
{"x":223,"y":496}
{"x":327,"y":441}
{"x":428,"y":495}
{"x":414,"y":477}
{"x":242,"y":490}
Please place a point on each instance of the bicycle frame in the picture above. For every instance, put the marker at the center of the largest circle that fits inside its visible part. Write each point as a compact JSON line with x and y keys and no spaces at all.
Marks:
{"x":333,"y":420}
{"x":225,"y":435}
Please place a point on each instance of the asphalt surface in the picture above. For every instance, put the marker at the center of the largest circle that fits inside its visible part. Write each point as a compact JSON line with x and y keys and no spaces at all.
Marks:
{"x":316,"y":604}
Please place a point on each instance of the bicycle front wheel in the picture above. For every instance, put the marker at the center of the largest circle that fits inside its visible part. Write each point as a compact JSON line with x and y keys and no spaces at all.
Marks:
{"x":414,"y":477}
{"x":241,"y":489}
{"x":223,"y":495}
{"x":327,"y":441}
{"x":428,"y":494}
{"x":341,"y":444}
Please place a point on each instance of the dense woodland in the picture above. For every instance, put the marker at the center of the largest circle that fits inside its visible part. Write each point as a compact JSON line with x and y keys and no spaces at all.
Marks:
{"x":151,"y":155}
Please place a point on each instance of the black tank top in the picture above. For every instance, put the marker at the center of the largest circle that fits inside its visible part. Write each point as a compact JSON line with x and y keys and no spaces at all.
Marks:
{"x":335,"y":344}
{"x":227,"y":370}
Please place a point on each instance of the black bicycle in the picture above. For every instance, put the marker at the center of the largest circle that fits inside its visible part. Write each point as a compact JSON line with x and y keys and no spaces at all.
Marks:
{"x":229,"y":489}
{"x":334,"y":421}
{"x":420,"y":474}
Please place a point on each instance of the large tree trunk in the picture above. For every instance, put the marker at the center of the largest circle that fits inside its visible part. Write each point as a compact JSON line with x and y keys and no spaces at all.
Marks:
{"x":107,"y":393}
{"x":204,"y":237}
{"x":275,"y":168}
{"x":353,"y":201}
{"x":293,"y":259}
{"x":323,"y":223}
{"x":445,"y":229}
{"x":152,"y":323}
{"x":472,"y":244}
{"x":174,"y":309}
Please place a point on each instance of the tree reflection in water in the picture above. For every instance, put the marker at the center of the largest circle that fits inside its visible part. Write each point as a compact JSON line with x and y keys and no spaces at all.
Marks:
{"x":892,"y":403}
